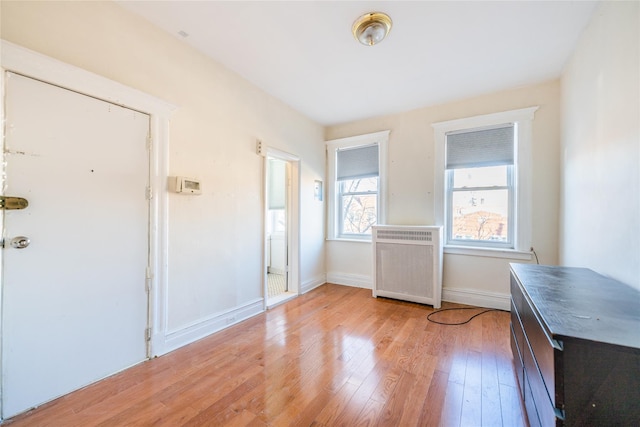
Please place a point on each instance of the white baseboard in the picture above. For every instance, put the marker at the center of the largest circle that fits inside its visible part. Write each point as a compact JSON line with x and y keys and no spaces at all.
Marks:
{"x":477,"y":298}
{"x":172,"y":340}
{"x":313,"y":283}
{"x":164,"y":343}
{"x":354,"y":280}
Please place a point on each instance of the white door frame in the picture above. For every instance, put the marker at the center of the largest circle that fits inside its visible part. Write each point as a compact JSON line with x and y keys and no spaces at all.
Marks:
{"x":35,"y":65}
{"x":293,"y":218}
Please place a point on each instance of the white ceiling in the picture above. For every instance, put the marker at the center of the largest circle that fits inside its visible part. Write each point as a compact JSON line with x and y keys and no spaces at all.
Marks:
{"x":303,"y":52}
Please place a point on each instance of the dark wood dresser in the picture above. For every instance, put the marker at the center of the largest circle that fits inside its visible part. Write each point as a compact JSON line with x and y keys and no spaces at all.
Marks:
{"x":575,"y":337}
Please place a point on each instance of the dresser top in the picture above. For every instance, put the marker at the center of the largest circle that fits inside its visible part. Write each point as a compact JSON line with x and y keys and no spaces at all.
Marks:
{"x":579,"y":303}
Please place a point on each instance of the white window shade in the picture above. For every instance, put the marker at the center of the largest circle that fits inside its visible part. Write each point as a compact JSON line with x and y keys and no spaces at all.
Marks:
{"x":356,"y":163}
{"x":480,"y":148}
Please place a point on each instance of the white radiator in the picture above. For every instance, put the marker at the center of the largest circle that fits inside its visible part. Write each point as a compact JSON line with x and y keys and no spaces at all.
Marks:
{"x":407,"y":263}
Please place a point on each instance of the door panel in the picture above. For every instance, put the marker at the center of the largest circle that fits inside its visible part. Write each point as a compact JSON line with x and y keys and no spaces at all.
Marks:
{"x":74,"y":301}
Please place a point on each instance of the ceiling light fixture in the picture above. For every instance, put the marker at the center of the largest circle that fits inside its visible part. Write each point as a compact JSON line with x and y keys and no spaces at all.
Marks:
{"x":372,"y":28}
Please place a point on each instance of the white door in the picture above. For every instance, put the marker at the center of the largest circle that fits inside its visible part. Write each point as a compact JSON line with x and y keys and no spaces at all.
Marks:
{"x":74,"y":306}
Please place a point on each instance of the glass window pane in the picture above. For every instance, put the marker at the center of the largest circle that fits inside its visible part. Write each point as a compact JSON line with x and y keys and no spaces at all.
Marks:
{"x":358,"y":213}
{"x":359,"y":185}
{"x":480,"y":215}
{"x":480,"y":177}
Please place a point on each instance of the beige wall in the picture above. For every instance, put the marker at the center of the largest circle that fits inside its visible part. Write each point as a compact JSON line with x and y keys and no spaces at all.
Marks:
{"x":601,"y":146}
{"x":215,"y":240}
{"x":411,"y":187}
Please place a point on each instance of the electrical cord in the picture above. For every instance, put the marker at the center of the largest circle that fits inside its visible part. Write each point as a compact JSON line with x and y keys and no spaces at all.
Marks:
{"x":536,"y":255}
{"x":460,"y":308}
{"x":470,"y":308}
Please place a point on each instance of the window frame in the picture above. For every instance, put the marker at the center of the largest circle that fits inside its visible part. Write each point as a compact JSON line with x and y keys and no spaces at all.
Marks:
{"x":334,"y":215}
{"x":521,"y":221}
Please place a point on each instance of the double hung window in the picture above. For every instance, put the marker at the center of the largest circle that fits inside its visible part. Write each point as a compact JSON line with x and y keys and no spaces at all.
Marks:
{"x":480,"y":186}
{"x":357,"y":188}
{"x":483,"y":182}
{"x":356,"y":193}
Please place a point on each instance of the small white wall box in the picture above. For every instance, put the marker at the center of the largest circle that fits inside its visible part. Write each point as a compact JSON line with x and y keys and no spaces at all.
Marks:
{"x":187,"y":185}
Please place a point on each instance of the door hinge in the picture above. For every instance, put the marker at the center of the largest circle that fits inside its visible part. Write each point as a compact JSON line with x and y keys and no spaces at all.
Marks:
{"x":147,"y":334}
{"x":149,"y":142}
{"x":149,"y":193}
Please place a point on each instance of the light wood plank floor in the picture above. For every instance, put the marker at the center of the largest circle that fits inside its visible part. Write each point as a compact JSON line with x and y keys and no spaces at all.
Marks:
{"x":332,"y":357}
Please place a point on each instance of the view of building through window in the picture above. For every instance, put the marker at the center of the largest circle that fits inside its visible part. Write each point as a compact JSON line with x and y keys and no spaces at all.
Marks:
{"x":358,"y":204}
{"x":480,"y":204}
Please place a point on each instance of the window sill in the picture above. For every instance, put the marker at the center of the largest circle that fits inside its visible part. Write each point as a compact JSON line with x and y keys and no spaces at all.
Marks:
{"x":489,"y":252}
{"x":342,"y":239}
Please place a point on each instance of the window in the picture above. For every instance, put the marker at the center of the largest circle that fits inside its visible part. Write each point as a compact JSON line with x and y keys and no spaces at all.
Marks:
{"x":483,"y":181}
{"x":479,"y":186}
{"x":357,"y":184}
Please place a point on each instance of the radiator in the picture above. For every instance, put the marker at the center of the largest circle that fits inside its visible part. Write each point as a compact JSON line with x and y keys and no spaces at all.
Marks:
{"x":408,"y":263}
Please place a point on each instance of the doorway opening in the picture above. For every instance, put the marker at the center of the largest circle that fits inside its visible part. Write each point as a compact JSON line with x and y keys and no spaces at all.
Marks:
{"x":280,"y":222}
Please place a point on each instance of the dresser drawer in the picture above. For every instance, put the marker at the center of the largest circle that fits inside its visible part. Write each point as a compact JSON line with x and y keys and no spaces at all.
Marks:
{"x":517,"y":341}
{"x":544,"y":351}
{"x":530,"y":405}
{"x":518,"y":364}
{"x":517,"y":298}
{"x":516,"y":326}
{"x":538,"y":391}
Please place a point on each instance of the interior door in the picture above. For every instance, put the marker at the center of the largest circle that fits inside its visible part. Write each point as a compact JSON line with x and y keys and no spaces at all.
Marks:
{"x":74,"y":306}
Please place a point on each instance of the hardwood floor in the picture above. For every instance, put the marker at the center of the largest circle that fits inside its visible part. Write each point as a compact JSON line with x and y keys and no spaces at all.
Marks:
{"x":333,"y":357}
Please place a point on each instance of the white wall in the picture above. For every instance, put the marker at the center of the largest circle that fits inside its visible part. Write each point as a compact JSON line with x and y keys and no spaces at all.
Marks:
{"x":215,"y":239}
{"x":470,"y":279}
{"x":601,"y":146}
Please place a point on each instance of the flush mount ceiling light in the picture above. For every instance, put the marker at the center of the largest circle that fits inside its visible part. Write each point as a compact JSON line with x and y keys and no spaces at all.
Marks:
{"x":372,"y":28}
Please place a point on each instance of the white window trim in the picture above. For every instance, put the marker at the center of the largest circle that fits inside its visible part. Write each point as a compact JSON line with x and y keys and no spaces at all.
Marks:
{"x":382,"y":139}
{"x":523,"y":188}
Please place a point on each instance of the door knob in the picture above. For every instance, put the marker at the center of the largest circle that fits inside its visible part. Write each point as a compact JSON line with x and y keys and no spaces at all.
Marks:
{"x":20,"y":242}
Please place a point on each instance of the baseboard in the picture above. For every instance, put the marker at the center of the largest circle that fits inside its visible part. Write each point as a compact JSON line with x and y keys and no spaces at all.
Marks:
{"x":477,"y":298}
{"x":354,"y":280}
{"x":173,"y":340}
{"x":310,"y":285}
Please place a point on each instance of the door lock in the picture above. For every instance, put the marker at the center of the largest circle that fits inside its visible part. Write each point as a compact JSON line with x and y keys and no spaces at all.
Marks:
{"x":12,"y":203}
{"x":20,"y":242}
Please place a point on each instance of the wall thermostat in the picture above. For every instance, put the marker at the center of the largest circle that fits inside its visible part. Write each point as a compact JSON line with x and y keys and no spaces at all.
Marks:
{"x":187,"y":185}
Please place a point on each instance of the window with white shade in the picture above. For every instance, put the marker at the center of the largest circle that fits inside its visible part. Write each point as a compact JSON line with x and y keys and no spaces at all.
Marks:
{"x":483,"y":184}
{"x":480,"y":186}
{"x":357,"y":183}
